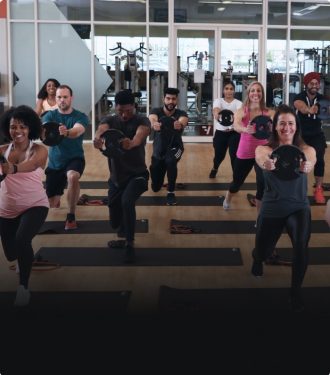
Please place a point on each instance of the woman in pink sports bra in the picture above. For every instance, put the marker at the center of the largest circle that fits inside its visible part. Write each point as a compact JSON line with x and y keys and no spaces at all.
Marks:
{"x":254,"y":105}
{"x":23,"y":201}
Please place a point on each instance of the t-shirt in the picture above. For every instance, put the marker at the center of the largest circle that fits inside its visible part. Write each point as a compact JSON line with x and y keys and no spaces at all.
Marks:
{"x":164,"y":139}
{"x":69,"y":148}
{"x":132,"y":162}
{"x":222,"y":104}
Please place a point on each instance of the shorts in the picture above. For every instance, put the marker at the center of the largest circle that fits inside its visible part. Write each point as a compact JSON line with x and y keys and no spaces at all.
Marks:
{"x":56,"y":179}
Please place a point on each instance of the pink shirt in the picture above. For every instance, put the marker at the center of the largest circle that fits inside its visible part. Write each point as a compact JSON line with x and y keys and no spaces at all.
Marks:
{"x":21,"y":191}
{"x":248,"y":143}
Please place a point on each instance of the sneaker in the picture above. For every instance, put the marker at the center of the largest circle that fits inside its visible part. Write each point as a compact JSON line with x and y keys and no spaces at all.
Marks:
{"x":70,"y":225}
{"x":22,"y":296}
{"x":257,"y":269}
{"x":170,"y":199}
{"x":318,"y":195}
{"x":226,"y":204}
{"x":213,"y":173}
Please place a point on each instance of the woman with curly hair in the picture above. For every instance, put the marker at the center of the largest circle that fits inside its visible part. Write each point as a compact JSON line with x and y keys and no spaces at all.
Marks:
{"x":23,"y":201}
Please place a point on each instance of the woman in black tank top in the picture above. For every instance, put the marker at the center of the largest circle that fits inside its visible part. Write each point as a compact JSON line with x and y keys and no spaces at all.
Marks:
{"x":285,"y":204}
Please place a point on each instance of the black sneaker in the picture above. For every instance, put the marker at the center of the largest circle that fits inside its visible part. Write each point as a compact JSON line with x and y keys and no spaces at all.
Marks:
{"x":213,"y":173}
{"x":129,"y":256}
{"x":257,"y":269}
{"x":170,"y":199}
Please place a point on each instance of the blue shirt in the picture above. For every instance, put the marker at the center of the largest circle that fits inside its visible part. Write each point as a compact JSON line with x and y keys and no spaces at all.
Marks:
{"x":69,"y":148}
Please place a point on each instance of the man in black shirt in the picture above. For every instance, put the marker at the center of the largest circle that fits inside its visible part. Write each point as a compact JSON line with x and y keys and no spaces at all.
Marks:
{"x":168,"y":123}
{"x":128,"y":171}
{"x":306,"y":104}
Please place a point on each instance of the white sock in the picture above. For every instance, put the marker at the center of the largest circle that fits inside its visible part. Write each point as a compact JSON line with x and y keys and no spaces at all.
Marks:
{"x":22,"y":296}
{"x":226,"y":204}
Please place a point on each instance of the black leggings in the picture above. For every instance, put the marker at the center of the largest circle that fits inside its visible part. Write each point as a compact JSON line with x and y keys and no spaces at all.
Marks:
{"x":298,"y":226}
{"x":242,"y":168}
{"x":122,"y":204}
{"x":158,"y":170}
{"x":223,"y":141}
{"x":318,"y":142}
{"x":17,"y":235}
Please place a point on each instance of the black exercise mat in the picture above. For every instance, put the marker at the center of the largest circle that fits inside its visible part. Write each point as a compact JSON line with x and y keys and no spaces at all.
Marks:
{"x":310,"y":198}
{"x":235,"y":227}
{"x":193,"y":186}
{"x":317,"y":255}
{"x":242,"y":301}
{"x":161,"y":201}
{"x":313,"y":203}
{"x":99,"y":256}
{"x":89,"y":227}
{"x":65,"y":304}
{"x":215,"y":200}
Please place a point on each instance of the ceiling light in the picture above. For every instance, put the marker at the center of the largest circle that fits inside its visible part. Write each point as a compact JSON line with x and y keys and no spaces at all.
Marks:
{"x":221,"y":9}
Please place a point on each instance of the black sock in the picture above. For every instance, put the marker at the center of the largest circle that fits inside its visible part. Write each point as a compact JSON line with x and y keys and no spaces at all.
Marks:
{"x":70,"y":217}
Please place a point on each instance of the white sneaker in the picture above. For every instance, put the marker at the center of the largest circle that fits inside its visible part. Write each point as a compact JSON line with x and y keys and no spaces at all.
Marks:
{"x":22,"y":296}
{"x":226,"y":204}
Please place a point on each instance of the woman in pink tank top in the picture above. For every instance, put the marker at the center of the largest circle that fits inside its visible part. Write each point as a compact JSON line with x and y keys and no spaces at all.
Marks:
{"x":23,"y":201}
{"x":254,"y":105}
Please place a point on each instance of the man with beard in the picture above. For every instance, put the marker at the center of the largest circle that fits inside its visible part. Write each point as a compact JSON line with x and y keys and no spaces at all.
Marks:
{"x":66,"y":162}
{"x":168,"y":124}
{"x":306,"y":104}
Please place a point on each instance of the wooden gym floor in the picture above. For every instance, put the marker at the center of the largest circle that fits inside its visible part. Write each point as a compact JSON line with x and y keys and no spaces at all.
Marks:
{"x":144,"y":282}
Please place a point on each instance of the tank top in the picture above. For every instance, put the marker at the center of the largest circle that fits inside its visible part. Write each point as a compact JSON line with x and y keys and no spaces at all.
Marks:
{"x":22,"y":190}
{"x":248,"y":143}
{"x":282,"y":198}
{"x":47,"y":107}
